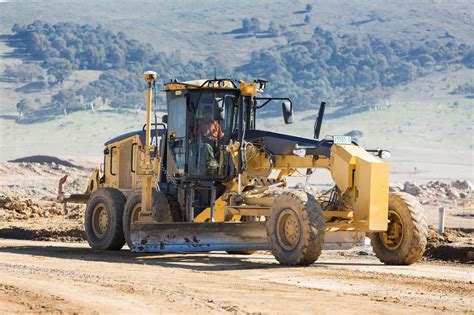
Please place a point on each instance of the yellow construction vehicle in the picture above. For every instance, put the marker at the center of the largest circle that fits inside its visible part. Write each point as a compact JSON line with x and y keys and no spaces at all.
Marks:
{"x":206,"y":179}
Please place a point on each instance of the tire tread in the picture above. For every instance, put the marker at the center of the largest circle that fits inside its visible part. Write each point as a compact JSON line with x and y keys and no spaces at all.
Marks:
{"x":311,"y":220}
{"x":114,"y":198}
{"x":416,"y":245}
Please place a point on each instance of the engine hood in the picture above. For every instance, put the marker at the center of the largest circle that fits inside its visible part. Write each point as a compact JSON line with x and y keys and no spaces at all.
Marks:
{"x":284,"y":144}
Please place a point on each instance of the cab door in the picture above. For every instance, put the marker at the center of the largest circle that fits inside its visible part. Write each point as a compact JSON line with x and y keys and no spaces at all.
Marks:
{"x":208,"y":134}
{"x":176,"y":153}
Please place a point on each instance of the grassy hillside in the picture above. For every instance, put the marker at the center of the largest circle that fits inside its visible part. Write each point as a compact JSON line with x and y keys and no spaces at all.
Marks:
{"x":422,"y":123}
{"x":199,"y":31}
{"x":355,"y":72}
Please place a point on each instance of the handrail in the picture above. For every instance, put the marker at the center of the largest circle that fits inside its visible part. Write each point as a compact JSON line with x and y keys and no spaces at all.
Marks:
{"x":111,"y":154}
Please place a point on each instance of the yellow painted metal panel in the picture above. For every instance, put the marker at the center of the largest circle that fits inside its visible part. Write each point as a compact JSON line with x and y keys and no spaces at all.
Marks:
{"x":293,"y":161}
{"x":367,"y":179}
{"x":219,"y":214}
{"x":342,"y":165}
{"x":174,"y":86}
{"x":124,"y":167}
{"x":371,"y":183}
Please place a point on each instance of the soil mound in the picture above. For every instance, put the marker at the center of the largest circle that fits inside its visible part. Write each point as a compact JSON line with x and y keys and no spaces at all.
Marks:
{"x":14,"y":208}
{"x":44,"y":159}
{"x":44,"y":220}
{"x":459,"y":189}
{"x":452,"y":245}
{"x":23,"y":233}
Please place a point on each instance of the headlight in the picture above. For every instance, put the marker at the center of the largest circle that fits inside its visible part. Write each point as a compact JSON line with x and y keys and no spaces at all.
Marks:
{"x":299,"y":152}
{"x":384,"y":154}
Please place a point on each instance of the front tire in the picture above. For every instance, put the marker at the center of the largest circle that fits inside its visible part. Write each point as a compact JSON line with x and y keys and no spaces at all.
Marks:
{"x":103,"y":219}
{"x":405,"y":240}
{"x":296,"y":228}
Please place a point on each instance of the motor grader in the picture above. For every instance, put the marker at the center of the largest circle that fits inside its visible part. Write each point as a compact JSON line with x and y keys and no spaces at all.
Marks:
{"x":168,"y":188}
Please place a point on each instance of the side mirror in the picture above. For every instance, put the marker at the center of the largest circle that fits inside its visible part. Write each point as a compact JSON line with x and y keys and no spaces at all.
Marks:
{"x":287,"y":109}
{"x":219,"y":109}
{"x":164,"y":119}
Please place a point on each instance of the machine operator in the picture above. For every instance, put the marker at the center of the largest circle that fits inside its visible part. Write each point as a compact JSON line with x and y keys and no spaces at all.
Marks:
{"x":211,"y":132}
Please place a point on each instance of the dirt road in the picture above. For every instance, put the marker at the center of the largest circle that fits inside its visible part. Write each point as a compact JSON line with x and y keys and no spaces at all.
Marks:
{"x":61,"y":277}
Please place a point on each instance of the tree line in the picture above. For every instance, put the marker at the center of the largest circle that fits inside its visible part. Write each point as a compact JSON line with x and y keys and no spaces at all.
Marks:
{"x":351,"y":71}
{"x":64,"y":47}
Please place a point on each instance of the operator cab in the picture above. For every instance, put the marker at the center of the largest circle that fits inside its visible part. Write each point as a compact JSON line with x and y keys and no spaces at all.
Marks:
{"x":201,"y":121}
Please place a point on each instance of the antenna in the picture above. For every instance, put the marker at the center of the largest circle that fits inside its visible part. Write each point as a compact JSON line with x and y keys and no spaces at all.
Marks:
{"x":215,"y":74}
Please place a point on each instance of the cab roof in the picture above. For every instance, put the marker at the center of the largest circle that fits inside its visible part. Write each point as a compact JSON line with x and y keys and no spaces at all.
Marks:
{"x":224,"y":83}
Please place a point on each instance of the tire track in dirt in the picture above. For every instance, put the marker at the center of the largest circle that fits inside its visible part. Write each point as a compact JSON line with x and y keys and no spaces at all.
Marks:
{"x":453,"y":295}
{"x":92,"y":281}
{"x":34,"y":301}
{"x":121,"y":283}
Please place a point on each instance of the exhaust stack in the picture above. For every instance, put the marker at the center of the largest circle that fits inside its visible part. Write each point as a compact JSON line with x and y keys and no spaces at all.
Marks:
{"x":319,"y":120}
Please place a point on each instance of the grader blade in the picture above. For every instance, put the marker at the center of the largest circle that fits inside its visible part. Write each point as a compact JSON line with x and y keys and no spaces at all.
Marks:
{"x":222,"y":236}
{"x":198,"y":237}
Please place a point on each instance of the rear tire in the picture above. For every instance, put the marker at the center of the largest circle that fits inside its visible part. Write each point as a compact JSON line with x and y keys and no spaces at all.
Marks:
{"x":405,"y":240}
{"x":161,"y":207}
{"x":296,"y":228}
{"x":103,"y":219}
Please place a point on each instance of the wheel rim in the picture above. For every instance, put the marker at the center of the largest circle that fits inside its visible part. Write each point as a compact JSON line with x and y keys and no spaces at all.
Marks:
{"x":100,"y":220}
{"x":289,"y":229}
{"x":135,"y":213}
{"x":394,"y":235}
